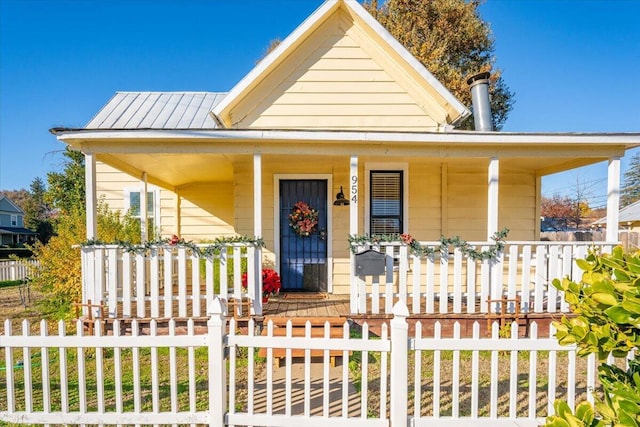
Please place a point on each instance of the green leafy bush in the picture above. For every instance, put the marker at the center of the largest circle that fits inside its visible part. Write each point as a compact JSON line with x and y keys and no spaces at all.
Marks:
{"x":606,"y":303}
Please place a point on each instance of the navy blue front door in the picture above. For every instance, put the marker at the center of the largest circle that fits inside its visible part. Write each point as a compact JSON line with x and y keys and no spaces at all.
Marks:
{"x":303,"y":259}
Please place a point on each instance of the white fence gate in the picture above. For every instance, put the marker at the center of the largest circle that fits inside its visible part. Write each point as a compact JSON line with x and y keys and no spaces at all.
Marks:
{"x":219,"y":378}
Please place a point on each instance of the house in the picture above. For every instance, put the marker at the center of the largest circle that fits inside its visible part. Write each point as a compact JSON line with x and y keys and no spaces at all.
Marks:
{"x":628,"y":218}
{"x":628,"y":224}
{"x":12,"y":230}
{"x":342,"y":118}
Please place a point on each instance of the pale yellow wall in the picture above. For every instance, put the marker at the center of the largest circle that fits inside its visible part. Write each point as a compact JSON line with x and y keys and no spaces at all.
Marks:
{"x":111,"y":185}
{"x":337,"y":79}
{"x":517,"y":205}
{"x":466,"y":200}
{"x":206,"y":209}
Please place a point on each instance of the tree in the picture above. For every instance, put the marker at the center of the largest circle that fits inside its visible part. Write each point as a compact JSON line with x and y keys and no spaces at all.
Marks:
{"x":66,"y":191}
{"x":453,"y":43}
{"x":606,"y":304}
{"x":58,"y":273}
{"x":631,"y":185}
{"x":565,"y":210}
{"x":37,"y":212}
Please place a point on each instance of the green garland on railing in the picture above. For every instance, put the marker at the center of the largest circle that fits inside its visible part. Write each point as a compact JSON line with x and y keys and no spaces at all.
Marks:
{"x":443,"y":248}
{"x":210,"y":249}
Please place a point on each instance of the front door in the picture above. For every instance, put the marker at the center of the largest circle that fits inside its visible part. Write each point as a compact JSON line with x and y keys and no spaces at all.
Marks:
{"x":303,"y":234}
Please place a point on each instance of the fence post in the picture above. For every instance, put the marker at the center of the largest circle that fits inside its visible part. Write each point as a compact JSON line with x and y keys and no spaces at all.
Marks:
{"x":399,"y":372}
{"x":217,"y":368}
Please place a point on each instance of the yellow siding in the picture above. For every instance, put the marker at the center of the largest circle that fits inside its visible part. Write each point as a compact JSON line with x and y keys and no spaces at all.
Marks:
{"x":207,"y":211}
{"x":338,"y":79}
{"x":517,"y":205}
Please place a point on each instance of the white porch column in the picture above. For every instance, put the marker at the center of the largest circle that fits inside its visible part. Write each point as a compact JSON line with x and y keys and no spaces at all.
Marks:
{"x":613,"y":199}
{"x":492,"y":205}
{"x":353,"y":228}
{"x":257,"y":231}
{"x":91,"y":199}
{"x":257,"y":194}
{"x":353,"y":196}
{"x":144,"y":215}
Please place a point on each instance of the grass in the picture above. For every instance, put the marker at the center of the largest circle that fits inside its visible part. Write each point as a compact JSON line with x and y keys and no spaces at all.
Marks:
{"x":13,"y":305}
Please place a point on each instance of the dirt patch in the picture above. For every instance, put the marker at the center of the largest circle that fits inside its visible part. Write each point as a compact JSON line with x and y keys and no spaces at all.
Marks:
{"x":17,"y":302}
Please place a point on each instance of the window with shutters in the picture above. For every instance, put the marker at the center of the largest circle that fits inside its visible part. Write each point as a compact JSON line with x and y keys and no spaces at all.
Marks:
{"x":386,"y":210}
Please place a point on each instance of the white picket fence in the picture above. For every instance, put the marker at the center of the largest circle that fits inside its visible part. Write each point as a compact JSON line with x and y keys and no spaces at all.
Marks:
{"x":167,"y":281}
{"x":217,"y":379}
{"x":15,"y":270}
{"x":455,"y":283}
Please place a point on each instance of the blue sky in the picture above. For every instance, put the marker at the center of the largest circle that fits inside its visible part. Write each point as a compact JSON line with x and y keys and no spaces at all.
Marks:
{"x":573,"y":66}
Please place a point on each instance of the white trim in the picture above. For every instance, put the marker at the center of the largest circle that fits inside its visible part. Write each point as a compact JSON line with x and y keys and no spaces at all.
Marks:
{"x":144,"y":213}
{"x":411,"y":60}
{"x":387,"y":166}
{"x":628,"y":139}
{"x":276,"y":219}
{"x":91,"y":200}
{"x":493,"y":186}
{"x":126,"y":192}
{"x":613,"y":199}
{"x":273,"y":56}
{"x":257,"y":195}
{"x":316,"y":18}
{"x":14,"y":220}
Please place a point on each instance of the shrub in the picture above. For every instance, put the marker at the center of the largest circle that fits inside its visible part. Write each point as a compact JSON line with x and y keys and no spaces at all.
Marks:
{"x":58,"y":276}
{"x":607,"y":307}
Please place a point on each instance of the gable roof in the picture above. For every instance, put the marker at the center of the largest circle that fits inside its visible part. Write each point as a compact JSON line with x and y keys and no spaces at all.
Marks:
{"x":6,"y":205}
{"x":157,"y":110}
{"x":630,"y":213}
{"x":455,"y":110}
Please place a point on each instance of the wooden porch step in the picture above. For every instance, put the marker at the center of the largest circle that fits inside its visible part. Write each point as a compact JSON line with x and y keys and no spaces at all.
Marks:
{"x":298,"y":329}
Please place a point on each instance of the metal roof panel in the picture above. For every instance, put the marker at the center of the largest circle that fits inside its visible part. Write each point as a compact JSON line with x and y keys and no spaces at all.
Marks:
{"x":157,"y":110}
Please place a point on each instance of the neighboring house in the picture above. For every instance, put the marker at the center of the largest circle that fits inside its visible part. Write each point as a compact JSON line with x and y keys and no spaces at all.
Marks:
{"x":628,"y":218}
{"x":338,"y":107}
{"x":12,"y":230}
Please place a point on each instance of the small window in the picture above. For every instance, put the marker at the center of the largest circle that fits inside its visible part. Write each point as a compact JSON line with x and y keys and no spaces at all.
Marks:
{"x":134,"y":204}
{"x":386,"y":202}
{"x":14,"y":220}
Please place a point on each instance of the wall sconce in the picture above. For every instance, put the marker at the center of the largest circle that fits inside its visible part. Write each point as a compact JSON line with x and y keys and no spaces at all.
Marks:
{"x":340,"y":199}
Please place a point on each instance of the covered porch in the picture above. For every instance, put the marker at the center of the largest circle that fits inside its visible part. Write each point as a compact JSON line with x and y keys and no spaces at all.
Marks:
{"x":179,"y":281}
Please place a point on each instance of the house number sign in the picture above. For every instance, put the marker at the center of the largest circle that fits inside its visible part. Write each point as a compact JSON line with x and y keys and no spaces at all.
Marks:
{"x":354,"y":188}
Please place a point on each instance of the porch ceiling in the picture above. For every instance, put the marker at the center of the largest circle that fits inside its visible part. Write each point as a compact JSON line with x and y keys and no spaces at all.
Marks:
{"x":172,"y":170}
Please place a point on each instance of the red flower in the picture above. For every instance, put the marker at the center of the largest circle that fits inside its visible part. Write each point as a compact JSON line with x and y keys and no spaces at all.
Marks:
{"x":271,"y":283}
{"x":406,"y":238}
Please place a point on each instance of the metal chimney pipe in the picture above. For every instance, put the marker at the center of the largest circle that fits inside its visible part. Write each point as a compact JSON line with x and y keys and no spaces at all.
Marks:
{"x":479,"y":85}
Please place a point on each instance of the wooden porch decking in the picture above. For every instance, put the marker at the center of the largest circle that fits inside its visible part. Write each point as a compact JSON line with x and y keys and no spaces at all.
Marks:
{"x":336,"y":308}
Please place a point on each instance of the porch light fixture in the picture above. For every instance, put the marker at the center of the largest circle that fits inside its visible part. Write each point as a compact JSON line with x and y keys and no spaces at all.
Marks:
{"x":340,"y":199}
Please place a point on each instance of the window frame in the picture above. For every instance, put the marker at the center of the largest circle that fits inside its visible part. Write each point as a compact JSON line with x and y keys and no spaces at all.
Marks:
{"x":14,"y":220}
{"x":155,"y":214}
{"x":387,"y":167}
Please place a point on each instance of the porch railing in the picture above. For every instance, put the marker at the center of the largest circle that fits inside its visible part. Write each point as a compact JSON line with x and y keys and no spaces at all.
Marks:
{"x":455,"y":283}
{"x":168,"y":281}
